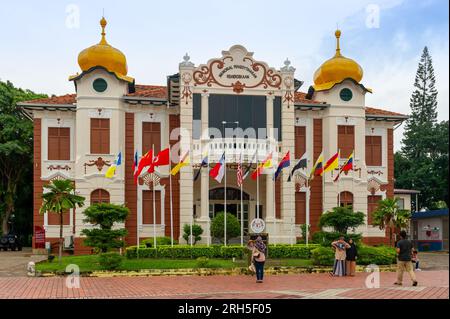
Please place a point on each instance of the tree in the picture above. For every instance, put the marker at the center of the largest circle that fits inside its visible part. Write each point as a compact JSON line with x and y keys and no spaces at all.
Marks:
{"x":16,"y":157}
{"x":422,"y":162}
{"x":217,"y":226}
{"x":105,"y":215}
{"x":59,"y":197}
{"x":341,"y":219}
{"x":196,"y":233}
{"x":389,"y":215}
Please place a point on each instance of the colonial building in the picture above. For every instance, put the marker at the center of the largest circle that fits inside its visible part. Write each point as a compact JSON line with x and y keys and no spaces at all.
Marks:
{"x":78,"y":136}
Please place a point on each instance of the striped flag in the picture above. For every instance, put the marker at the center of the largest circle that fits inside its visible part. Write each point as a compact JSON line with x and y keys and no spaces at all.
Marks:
{"x":184,"y":162}
{"x":247,"y":170}
{"x":239,"y":173}
{"x":300,"y":164}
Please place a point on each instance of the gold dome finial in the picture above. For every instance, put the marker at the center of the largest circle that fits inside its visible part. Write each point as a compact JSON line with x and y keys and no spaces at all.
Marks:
{"x":103,"y":24}
{"x":338,"y":49}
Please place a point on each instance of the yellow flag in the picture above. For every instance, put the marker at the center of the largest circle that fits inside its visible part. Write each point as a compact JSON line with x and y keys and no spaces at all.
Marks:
{"x":111,"y":170}
{"x":184,"y":162}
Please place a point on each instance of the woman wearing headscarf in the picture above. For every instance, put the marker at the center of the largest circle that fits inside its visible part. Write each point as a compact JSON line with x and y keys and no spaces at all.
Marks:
{"x":340,"y":247}
{"x":259,"y":258}
{"x":350,"y":260}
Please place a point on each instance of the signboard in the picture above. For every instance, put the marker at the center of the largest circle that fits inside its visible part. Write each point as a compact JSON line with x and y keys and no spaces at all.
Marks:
{"x":257,"y":225}
{"x":39,"y":237}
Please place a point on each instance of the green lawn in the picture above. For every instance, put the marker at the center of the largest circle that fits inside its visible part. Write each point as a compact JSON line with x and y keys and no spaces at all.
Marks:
{"x":90,"y":263}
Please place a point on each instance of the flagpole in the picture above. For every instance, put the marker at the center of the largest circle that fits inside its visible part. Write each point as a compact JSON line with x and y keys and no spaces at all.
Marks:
{"x":257,"y":183}
{"x":171,"y":205}
{"x":339,"y":193}
{"x":274,"y":206}
{"x":154,"y":203}
{"x":225,"y":197}
{"x":242,"y":203}
{"x":308,"y":195}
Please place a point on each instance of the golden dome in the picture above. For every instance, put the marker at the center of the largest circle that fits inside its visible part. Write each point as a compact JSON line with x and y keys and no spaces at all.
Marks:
{"x":103,"y":54}
{"x":336,"y":70}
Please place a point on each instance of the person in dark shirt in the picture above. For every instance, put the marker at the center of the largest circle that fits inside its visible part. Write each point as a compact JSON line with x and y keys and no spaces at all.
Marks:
{"x":350,"y":259}
{"x":404,"y":251}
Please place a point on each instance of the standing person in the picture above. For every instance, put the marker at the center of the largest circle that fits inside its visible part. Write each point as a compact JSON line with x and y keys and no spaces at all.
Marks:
{"x":339,"y":257}
{"x":350,"y":259}
{"x":259,"y":257}
{"x":415,"y":260}
{"x":251,"y":261}
{"x":404,"y":252}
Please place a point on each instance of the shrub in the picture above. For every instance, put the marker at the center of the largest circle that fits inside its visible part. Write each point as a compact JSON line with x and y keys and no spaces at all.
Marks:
{"x":197,"y":230}
{"x":326,"y":238}
{"x":148,"y":243}
{"x":202,"y":262}
{"x":110,"y":261}
{"x":288,"y":251}
{"x":323,"y":256}
{"x":341,"y":219}
{"x":217,"y":226}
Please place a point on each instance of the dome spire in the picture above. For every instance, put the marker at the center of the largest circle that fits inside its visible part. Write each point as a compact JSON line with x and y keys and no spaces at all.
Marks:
{"x":338,"y":49}
{"x":103,"y":24}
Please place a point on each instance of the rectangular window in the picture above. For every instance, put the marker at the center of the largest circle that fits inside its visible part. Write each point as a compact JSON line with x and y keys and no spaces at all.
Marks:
{"x":99,"y":136}
{"x":277,"y":117}
{"x":58,"y":144}
{"x":147,"y":207}
{"x":372,"y":205}
{"x":373,"y":151}
{"x":300,"y":208}
{"x":196,"y":116}
{"x":300,"y":141}
{"x":346,"y":139}
{"x":401,"y":203}
{"x":54,"y":218}
{"x":151,"y":137}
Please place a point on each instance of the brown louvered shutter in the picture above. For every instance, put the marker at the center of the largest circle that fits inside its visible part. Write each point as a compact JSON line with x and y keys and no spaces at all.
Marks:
{"x":147,"y":207}
{"x":346,"y":199}
{"x":346,"y":139}
{"x":372,"y":205}
{"x":373,"y":151}
{"x":151,"y":136}
{"x":100,"y":136}
{"x":99,"y":196}
{"x":300,"y":141}
{"x":300,"y":208}
{"x":54,"y":218}
{"x":58,"y":143}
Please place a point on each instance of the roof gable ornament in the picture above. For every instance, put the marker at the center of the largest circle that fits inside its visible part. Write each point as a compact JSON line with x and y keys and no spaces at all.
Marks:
{"x":287,"y":66}
{"x":186,"y":61}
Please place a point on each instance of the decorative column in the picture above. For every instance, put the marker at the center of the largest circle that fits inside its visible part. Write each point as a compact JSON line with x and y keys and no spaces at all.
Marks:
{"x":204,"y":215}
{"x":270,"y":212}
{"x":186,"y":174}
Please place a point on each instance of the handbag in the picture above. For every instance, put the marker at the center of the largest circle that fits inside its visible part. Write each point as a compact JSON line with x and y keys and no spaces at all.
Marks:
{"x":252,"y":267}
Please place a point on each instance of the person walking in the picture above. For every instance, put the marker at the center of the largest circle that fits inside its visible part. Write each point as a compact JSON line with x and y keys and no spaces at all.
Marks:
{"x":404,"y":253}
{"x":340,"y":247}
{"x":259,"y":257}
{"x":350,"y":259}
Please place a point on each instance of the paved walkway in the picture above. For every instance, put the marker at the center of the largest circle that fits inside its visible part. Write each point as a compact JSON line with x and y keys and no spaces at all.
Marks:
{"x":14,"y":263}
{"x":432,"y":285}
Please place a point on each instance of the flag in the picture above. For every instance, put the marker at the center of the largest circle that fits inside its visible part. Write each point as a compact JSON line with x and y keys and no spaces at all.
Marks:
{"x":300,"y":164}
{"x":184,"y":162}
{"x":112,"y":169}
{"x":239,"y":173}
{"x":161,"y":159}
{"x":218,"y":170}
{"x":267,"y":163}
{"x":285,"y":162}
{"x":145,"y":161}
{"x":247,"y":170}
{"x":332,"y":163}
{"x":317,"y":169}
{"x":135,"y":162}
{"x":346,"y":167}
{"x":203,"y":164}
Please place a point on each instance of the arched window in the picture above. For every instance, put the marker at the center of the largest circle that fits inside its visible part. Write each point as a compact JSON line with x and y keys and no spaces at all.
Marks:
{"x":346,"y":199}
{"x":99,"y":196}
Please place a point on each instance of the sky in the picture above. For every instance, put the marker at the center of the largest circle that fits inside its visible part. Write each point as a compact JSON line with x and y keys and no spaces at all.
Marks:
{"x":41,"y":40}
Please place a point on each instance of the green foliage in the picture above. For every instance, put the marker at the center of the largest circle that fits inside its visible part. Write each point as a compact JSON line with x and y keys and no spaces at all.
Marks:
{"x":303,"y":228}
{"x":382,"y":255}
{"x":389,"y":216}
{"x":148,"y":242}
{"x":288,"y":251}
{"x":105,"y":215}
{"x":110,"y":261}
{"x":422,"y":163}
{"x":217,"y":226}
{"x":16,"y":160}
{"x":341,"y":219}
{"x":202,"y":262}
{"x":325,"y":239}
{"x":197,"y":230}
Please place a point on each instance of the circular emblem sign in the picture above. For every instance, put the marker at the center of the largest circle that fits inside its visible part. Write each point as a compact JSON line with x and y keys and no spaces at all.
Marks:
{"x":257,"y":225}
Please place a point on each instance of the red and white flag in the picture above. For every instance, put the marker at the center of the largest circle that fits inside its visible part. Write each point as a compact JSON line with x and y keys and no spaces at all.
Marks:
{"x":218,"y":170}
{"x":240,"y":174}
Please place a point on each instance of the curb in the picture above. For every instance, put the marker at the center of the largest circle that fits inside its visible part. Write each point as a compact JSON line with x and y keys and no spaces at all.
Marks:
{"x":205,"y":272}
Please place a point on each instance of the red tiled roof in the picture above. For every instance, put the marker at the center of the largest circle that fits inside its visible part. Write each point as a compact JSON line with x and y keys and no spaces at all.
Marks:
{"x":63,"y":99}
{"x":300,"y":97}
{"x":374,"y":111}
{"x":156,"y":91}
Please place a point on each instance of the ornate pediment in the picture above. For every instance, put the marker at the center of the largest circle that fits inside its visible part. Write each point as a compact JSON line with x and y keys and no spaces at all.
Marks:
{"x":238,"y":70}
{"x":374,"y":185}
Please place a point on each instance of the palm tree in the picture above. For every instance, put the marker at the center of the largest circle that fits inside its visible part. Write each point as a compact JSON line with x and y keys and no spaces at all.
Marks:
{"x":60,"y":196}
{"x":390,"y":215}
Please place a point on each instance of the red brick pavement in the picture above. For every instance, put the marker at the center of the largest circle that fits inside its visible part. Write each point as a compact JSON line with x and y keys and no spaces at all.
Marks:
{"x":432,"y":285}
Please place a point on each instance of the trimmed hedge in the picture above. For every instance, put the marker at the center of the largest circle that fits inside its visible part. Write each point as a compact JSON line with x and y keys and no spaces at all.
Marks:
{"x":382,"y":255}
{"x":218,"y":251}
